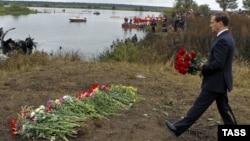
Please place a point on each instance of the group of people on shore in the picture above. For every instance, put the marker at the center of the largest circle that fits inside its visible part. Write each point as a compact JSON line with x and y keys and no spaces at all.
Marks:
{"x":177,"y":21}
{"x":148,"y":21}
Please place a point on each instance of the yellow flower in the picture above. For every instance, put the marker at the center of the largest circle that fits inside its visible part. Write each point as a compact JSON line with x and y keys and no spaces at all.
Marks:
{"x":57,"y":101}
{"x":42,"y":107}
{"x":132,"y":88}
{"x":96,"y":90}
{"x":37,"y":110}
{"x":134,"y":100}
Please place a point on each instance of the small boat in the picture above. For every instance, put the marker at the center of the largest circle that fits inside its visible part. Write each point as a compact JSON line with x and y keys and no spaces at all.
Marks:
{"x":96,"y":13}
{"x":77,"y":19}
{"x":146,"y":19}
{"x":127,"y":25}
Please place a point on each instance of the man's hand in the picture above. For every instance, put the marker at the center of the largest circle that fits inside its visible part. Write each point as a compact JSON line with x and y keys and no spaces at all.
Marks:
{"x":201,"y":66}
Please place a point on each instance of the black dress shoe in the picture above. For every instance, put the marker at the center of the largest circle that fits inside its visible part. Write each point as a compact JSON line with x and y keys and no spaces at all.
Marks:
{"x":172,"y":128}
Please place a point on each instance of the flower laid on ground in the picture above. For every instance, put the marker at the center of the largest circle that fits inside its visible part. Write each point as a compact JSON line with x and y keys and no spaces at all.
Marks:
{"x":63,"y":117}
{"x":188,"y":62}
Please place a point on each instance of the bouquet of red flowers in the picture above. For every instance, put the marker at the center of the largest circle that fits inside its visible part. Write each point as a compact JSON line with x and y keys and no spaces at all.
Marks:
{"x":188,"y":62}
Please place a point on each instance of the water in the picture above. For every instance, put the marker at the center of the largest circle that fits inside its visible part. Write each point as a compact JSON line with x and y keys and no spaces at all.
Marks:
{"x":52,"y":29}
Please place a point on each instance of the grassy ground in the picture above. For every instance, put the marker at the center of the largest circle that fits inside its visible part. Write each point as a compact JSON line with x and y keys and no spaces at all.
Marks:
{"x":166,"y":95}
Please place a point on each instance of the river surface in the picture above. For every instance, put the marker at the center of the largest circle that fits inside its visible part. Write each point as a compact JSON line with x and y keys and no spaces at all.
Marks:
{"x":51,"y":29}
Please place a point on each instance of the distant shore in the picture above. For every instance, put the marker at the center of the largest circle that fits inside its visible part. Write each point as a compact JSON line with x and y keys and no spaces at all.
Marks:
{"x":89,"y":5}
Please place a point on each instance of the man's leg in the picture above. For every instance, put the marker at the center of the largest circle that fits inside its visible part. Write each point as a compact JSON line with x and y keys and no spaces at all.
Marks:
{"x":225,"y":109}
{"x":201,"y":104}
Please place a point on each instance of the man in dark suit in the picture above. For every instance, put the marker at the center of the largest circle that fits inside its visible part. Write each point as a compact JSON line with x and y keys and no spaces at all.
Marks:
{"x":217,"y":78}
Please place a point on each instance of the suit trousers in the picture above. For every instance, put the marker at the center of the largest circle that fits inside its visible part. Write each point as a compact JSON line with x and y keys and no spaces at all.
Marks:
{"x":204,"y":100}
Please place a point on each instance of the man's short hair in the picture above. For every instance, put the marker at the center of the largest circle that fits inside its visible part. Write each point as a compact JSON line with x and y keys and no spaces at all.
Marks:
{"x":222,"y":16}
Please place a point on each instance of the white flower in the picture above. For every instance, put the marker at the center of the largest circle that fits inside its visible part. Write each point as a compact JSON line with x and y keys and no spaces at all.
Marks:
{"x":53,"y":138}
{"x":24,"y":127}
{"x":65,"y":97}
{"x":32,"y":114}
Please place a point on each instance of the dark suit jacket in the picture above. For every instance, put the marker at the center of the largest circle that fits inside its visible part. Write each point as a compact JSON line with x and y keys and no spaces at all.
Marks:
{"x":217,"y":71}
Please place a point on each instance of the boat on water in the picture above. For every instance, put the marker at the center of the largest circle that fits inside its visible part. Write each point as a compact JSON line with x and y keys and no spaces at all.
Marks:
{"x":96,"y":13}
{"x":78,"y":19}
{"x":146,"y":19}
{"x":139,"y":22}
{"x":127,"y":25}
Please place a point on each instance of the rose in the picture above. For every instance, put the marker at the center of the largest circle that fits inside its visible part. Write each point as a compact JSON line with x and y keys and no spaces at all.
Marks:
{"x":188,"y":62}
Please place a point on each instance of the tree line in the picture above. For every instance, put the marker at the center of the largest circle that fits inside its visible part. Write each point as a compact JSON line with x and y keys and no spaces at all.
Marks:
{"x":86,"y":5}
{"x":223,"y":4}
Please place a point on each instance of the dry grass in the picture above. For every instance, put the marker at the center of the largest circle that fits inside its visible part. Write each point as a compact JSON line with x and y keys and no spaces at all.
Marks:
{"x":167,"y":95}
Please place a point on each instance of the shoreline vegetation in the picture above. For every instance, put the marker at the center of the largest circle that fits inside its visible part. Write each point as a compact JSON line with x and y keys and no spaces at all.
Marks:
{"x":15,"y":9}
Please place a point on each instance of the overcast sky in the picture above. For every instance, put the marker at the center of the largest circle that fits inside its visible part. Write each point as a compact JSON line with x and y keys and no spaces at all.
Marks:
{"x":166,"y":3}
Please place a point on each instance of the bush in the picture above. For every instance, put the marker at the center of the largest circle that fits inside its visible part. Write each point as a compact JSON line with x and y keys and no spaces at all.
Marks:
{"x":121,"y":51}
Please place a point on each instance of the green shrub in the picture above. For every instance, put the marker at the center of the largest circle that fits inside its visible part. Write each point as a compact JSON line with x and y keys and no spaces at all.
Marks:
{"x":121,"y":51}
